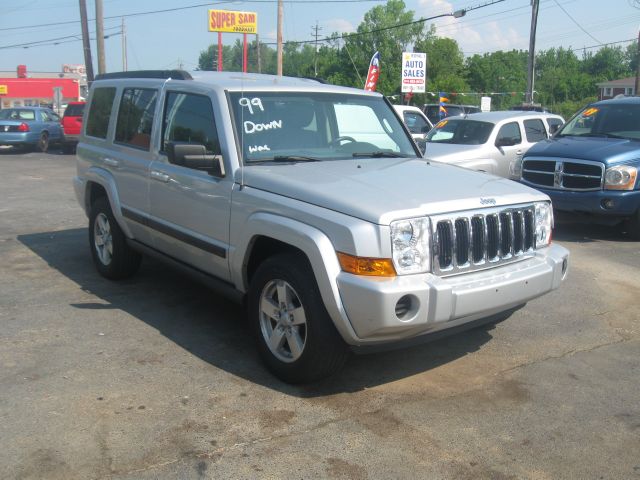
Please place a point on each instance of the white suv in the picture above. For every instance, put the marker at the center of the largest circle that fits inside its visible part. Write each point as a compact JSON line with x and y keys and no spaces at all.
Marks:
{"x":492,"y":142}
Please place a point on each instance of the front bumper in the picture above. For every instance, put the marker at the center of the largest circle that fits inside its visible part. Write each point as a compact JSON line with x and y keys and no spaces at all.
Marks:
{"x":439,"y":303}
{"x":618,"y":203}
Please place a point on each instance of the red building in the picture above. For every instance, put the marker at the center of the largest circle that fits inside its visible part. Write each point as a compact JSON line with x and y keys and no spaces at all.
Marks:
{"x":19,"y":91}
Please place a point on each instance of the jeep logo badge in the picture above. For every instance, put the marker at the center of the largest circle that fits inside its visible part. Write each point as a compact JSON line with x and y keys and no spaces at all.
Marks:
{"x":487,"y":201}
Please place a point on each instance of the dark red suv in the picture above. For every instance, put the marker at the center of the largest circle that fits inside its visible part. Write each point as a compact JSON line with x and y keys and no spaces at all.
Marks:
{"x":72,"y":125}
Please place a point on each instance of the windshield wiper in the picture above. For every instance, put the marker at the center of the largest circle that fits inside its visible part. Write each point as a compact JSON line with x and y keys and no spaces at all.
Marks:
{"x":286,"y":159}
{"x":379,"y":154}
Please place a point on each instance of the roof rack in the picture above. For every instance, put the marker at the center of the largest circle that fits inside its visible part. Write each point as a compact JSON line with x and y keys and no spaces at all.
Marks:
{"x":162,"y":74}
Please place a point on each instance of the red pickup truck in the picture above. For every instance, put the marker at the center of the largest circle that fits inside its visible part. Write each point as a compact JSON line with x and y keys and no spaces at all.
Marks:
{"x":72,"y":125}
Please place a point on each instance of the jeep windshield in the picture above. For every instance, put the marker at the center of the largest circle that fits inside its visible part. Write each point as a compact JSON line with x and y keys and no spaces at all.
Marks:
{"x":310,"y":126}
{"x":616,"y":120}
{"x":460,"y":132}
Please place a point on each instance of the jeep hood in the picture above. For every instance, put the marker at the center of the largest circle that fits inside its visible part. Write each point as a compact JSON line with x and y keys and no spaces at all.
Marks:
{"x":385,"y":189}
{"x":598,"y":149}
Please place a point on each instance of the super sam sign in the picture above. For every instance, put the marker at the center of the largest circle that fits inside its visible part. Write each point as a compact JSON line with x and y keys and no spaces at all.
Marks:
{"x":233,"y":22}
{"x":414,"y":72}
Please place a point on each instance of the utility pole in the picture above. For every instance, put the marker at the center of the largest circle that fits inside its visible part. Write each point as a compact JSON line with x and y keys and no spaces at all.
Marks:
{"x":124,"y":46}
{"x":258,"y":53}
{"x":532,"y":51}
{"x":316,"y":34}
{"x":88,"y":63}
{"x":100,"y":37}
{"x":279,"y":36}
{"x":636,"y":90}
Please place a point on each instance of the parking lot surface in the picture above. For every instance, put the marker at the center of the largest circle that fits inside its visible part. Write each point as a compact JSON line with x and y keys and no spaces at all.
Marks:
{"x":157,"y":377}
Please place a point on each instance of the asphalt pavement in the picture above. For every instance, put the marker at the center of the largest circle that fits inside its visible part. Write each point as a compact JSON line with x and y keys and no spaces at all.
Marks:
{"x":157,"y":377}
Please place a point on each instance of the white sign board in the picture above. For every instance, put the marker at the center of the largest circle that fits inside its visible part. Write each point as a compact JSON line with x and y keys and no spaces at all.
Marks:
{"x":485,"y":104}
{"x":414,"y":72}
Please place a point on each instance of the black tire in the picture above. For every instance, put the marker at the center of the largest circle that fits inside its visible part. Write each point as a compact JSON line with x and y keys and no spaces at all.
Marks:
{"x":43,"y":142}
{"x":113,"y":258}
{"x":324,"y":351}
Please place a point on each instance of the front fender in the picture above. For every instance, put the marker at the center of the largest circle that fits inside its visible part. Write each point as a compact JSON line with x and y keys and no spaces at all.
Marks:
{"x":312,"y":242}
{"x":487,"y":165}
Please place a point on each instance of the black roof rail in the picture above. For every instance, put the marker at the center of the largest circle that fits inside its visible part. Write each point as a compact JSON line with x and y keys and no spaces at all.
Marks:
{"x":161,"y":74}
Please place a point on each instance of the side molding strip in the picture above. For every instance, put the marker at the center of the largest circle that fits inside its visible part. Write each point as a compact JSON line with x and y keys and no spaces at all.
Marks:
{"x":177,"y":234}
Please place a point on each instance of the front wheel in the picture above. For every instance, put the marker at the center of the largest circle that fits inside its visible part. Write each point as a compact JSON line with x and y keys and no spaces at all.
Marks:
{"x":296,"y":337}
{"x":113,"y":258}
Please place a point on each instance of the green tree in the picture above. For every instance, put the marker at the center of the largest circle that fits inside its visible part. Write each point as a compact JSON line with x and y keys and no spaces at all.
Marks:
{"x":502,"y":73}
{"x":390,"y":43}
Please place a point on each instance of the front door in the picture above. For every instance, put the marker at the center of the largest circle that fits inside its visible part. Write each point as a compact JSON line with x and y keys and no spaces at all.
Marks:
{"x":190,"y":208}
{"x":510,"y":138}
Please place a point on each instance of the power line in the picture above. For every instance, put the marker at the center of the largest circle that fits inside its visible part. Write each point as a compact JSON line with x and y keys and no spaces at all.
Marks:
{"x":345,"y":36}
{"x":187,"y":7}
{"x":51,"y":41}
{"x":577,"y":24}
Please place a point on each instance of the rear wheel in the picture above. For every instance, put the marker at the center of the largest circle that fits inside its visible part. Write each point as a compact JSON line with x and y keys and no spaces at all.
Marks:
{"x":43,"y":142}
{"x":113,"y":258}
{"x":296,"y":337}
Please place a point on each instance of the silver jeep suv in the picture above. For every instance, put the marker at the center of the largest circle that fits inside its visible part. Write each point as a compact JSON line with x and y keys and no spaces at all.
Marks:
{"x":310,"y":203}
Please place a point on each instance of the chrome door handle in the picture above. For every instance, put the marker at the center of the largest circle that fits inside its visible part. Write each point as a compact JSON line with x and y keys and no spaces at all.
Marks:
{"x":111,"y":162}
{"x":159,"y":176}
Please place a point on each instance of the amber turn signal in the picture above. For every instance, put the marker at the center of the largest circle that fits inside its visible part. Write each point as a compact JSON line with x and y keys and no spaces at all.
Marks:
{"x":376,"y":267}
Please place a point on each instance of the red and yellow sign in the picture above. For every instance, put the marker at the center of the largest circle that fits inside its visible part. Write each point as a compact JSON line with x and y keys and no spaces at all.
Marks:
{"x":4,"y":89}
{"x":233,"y":22}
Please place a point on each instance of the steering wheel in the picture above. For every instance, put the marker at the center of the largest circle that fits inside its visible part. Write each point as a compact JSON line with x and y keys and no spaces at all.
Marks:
{"x":336,"y":142}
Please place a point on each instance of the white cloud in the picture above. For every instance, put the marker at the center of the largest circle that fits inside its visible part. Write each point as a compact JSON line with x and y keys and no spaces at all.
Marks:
{"x":339,"y":25}
{"x":482,"y":37}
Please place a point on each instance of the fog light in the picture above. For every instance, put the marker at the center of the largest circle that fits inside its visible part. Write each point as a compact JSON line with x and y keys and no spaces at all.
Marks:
{"x":608,"y":204}
{"x":407,"y":307}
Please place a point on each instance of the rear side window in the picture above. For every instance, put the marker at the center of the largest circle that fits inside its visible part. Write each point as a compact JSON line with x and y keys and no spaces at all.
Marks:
{"x":100,"y":112}
{"x":534,"y":130}
{"x":553,"y":122}
{"x":189,"y":118}
{"x":135,"y":117}
{"x":74,"y":110}
{"x":511,"y":133}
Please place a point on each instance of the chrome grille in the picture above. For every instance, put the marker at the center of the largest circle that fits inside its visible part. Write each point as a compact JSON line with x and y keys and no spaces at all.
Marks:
{"x":476,"y":240}
{"x":563,"y":174}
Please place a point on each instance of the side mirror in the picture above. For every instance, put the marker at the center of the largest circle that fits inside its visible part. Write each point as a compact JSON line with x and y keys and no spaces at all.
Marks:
{"x":194,"y":155}
{"x":422,"y":145}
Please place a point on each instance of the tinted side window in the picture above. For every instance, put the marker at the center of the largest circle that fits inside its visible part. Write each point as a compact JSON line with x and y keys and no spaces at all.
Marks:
{"x":510,"y":131}
{"x":414,"y":122}
{"x":74,"y":110}
{"x":189,"y":118}
{"x":100,"y":112}
{"x":534,"y":130}
{"x":553,"y":122}
{"x":135,"y":117}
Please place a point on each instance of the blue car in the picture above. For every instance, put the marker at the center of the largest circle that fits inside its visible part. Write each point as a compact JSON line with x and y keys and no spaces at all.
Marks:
{"x":591,"y":164}
{"x":30,"y":128}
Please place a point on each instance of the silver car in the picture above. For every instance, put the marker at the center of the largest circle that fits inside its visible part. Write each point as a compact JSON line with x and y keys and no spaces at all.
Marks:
{"x":492,"y":142}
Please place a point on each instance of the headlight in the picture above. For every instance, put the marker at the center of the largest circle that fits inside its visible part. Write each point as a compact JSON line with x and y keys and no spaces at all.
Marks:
{"x":544,"y":223}
{"x":515,"y":168}
{"x":622,"y":177}
{"x":410,"y":245}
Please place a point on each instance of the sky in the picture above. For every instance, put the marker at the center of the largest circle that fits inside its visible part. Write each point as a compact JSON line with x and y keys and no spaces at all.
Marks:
{"x":176,"y":38}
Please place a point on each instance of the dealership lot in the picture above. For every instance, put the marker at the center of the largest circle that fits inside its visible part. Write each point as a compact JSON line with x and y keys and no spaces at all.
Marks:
{"x":157,"y":377}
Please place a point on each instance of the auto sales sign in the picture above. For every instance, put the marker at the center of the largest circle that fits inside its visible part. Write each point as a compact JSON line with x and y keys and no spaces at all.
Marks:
{"x":233,"y":22}
{"x":414,"y":72}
